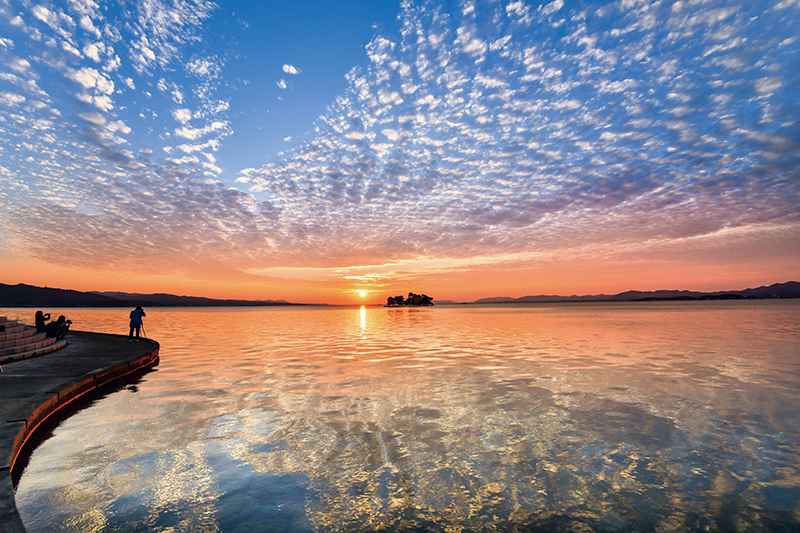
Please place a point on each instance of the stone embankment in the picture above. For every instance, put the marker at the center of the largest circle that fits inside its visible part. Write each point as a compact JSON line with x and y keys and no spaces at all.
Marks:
{"x":41,"y":381}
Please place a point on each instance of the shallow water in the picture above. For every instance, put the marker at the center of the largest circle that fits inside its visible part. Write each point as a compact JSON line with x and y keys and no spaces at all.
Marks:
{"x":675,"y":416}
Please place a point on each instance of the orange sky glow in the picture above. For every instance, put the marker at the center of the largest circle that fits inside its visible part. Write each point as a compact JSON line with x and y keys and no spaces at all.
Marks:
{"x":725,"y":265}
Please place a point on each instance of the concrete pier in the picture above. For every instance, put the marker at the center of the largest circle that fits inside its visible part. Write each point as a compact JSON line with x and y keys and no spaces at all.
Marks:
{"x":35,"y":391}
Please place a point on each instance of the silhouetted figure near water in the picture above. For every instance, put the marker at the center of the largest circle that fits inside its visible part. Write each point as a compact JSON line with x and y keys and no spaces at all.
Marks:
{"x":40,"y":319}
{"x":136,"y":322}
{"x":57,"y":328}
{"x":61,"y":326}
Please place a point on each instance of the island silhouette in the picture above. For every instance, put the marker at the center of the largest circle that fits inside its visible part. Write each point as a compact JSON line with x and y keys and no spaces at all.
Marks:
{"x":411,"y":300}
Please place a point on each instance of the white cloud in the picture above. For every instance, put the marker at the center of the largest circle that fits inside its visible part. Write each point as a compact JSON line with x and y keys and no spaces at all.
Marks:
{"x":211,"y":167}
{"x":162,"y":27}
{"x":103,"y":103}
{"x":171,"y":89}
{"x":118,"y":127}
{"x":617,"y":86}
{"x":768,"y":85}
{"x":90,"y":78}
{"x":93,"y":51}
{"x":195,"y":133}
{"x":291,"y":69}
{"x":520,"y":11}
{"x":11,"y":99}
{"x":470,"y":43}
{"x":389,"y":97}
{"x":205,"y":68}
{"x":570,"y":104}
{"x":391,"y":134}
{"x":552,"y":7}
{"x":45,"y":15}
{"x":67,"y":47}
{"x":98,"y":119}
{"x":87,"y":24}
{"x":212,"y":145}
{"x":379,"y":50}
{"x":185,"y":159}
{"x":182,"y":115}
{"x":490,"y":82}
{"x":21,"y":66}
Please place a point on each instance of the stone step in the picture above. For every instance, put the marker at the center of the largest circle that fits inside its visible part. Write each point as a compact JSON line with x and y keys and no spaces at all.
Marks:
{"x":30,"y":336}
{"x":27,"y":346}
{"x":15,"y":328}
{"x":17,"y":333}
{"x":57,"y":345}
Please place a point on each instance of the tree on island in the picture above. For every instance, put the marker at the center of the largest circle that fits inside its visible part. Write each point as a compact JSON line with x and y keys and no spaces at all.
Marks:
{"x":412,"y":299}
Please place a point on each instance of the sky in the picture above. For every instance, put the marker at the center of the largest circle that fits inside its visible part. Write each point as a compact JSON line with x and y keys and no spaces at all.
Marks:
{"x":350,"y":150}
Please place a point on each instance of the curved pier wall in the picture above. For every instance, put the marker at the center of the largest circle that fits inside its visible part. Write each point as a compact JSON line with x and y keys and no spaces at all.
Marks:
{"x":36,"y":393}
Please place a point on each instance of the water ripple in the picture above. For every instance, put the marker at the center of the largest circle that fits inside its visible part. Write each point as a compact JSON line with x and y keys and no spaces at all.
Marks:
{"x":664,"y":417}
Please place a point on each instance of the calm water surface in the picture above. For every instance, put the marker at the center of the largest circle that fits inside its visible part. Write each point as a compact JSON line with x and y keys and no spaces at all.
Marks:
{"x":597,"y":417}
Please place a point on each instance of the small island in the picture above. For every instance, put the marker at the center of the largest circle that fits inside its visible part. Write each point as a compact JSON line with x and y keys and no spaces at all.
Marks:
{"x":413,"y":300}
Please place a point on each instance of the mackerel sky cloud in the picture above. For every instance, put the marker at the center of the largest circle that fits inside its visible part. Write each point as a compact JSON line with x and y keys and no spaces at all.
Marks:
{"x":462,"y":137}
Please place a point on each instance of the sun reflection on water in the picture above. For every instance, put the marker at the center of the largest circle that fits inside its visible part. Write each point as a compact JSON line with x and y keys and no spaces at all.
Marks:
{"x":363,"y":312}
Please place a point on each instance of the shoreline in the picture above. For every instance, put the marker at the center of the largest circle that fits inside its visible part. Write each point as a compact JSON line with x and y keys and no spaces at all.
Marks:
{"x":36,"y":393}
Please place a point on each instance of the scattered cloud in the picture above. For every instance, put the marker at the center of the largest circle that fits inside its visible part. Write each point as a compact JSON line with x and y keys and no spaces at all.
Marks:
{"x":196,"y":133}
{"x":90,"y":78}
{"x":291,"y":69}
{"x":205,"y":68}
{"x":492,"y":134}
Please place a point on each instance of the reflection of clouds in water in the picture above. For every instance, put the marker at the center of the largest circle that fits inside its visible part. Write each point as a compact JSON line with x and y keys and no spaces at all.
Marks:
{"x":486,"y":454}
{"x":325,"y":429}
{"x":186,"y":482}
{"x":165,"y":483}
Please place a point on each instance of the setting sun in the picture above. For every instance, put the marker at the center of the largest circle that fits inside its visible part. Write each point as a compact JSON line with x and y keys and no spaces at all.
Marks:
{"x":362,"y":293}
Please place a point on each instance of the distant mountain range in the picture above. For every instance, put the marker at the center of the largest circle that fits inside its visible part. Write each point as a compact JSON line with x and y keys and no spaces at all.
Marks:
{"x":790,"y":289}
{"x":29,"y":296}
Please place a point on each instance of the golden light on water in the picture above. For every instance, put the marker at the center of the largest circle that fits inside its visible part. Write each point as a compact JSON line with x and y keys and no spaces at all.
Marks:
{"x":451,"y":418}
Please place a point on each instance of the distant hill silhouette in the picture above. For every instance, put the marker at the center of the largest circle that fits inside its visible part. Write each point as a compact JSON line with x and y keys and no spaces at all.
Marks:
{"x":22,"y":295}
{"x":790,"y":289}
{"x":30,"y":296}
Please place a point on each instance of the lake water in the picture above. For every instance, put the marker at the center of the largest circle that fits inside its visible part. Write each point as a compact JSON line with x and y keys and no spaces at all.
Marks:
{"x":678,"y":416}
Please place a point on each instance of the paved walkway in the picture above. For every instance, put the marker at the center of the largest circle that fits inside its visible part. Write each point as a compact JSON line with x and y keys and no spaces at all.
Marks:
{"x":33,"y":389}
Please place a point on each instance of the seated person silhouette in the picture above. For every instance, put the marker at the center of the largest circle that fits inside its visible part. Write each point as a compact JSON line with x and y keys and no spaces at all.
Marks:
{"x":40,"y":319}
{"x":61,"y":326}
